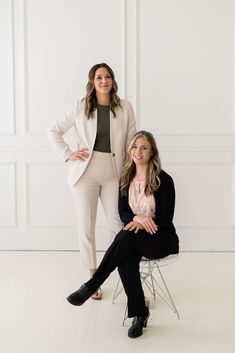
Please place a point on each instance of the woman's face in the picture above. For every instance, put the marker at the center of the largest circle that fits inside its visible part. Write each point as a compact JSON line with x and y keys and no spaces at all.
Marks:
{"x":103,"y":81}
{"x":141,"y":151}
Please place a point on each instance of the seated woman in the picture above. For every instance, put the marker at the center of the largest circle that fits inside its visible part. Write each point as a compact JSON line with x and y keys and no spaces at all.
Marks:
{"x":146,"y":207}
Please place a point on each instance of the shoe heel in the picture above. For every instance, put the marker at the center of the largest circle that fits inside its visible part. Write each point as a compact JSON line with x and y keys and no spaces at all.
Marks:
{"x":146,"y":321}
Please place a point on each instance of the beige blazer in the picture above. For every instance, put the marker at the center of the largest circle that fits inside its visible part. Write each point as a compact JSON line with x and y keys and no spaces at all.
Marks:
{"x":122,"y":128}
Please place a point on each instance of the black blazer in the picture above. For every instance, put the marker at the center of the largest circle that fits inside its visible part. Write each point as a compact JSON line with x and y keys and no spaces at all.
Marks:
{"x":165,"y":204}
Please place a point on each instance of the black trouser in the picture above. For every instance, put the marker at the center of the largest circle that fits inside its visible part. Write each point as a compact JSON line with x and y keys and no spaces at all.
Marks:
{"x":125,"y":253}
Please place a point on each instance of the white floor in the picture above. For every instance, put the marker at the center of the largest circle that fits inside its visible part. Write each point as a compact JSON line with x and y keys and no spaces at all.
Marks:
{"x":36,"y":318}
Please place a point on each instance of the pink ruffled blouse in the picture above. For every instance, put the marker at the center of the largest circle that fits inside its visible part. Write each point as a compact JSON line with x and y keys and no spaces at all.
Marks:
{"x":140,"y":203}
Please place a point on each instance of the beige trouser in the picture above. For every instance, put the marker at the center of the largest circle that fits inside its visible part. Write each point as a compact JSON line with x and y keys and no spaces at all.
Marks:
{"x":97,"y":181}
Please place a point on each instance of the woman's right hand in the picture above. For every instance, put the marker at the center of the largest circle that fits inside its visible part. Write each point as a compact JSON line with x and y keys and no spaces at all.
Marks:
{"x":81,"y":154}
{"x":147,"y":223}
{"x":133,"y":226}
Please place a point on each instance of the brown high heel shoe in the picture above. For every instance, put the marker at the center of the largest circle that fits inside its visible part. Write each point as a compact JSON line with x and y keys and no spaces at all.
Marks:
{"x":97,"y":295}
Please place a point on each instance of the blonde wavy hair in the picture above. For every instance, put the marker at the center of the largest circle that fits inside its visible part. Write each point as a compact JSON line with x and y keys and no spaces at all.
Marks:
{"x":129,"y":169}
{"x":90,"y":98}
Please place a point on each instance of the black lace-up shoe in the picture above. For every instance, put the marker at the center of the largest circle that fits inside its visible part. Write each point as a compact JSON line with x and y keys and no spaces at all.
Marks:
{"x":138,"y":323}
{"x":80,"y":296}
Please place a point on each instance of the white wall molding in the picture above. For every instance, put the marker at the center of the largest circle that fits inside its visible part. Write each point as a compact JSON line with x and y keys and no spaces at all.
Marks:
{"x":26,"y":62}
{"x":233,"y":126}
{"x":7,"y":84}
{"x":123,"y":35}
{"x":233,"y":196}
{"x":43,"y":180}
{"x":131,"y":54}
{"x":13,"y":70}
{"x":8,"y":192}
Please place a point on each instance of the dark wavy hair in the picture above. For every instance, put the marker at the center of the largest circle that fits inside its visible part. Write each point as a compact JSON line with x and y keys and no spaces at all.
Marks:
{"x":154,"y":167}
{"x":91,"y":100}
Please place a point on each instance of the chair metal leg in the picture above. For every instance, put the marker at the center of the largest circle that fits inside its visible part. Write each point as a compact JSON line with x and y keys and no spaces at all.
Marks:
{"x":154,"y":287}
{"x":124,"y":316}
{"x":150,"y":285}
{"x":147,"y":277}
{"x":117,"y":291}
{"x":165,"y":294}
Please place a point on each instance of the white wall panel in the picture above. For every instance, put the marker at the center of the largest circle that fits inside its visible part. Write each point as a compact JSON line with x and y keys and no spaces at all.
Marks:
{"x":186,"y":66}
{"x":64,"y":39}
{"x":206,"y":238}
{"x":6,"y":69}
{"x":8,"y":195}
{"x":233,"y":197}
{"x":49,"y":201}
{"x":204,"y":195}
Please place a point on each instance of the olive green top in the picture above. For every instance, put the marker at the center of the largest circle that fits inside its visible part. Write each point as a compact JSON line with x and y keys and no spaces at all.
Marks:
{"x":102,"y":141}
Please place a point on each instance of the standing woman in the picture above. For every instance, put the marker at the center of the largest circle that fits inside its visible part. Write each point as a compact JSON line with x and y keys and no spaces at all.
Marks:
{"x":146,"y":207}
{"x":104,"y":125}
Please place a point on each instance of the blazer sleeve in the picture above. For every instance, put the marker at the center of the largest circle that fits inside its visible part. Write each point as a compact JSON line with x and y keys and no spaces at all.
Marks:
{"x":165,"y":201}
{"x":131,"y":128}
{"x":124,"y":209}
{"x":56,"y":131}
